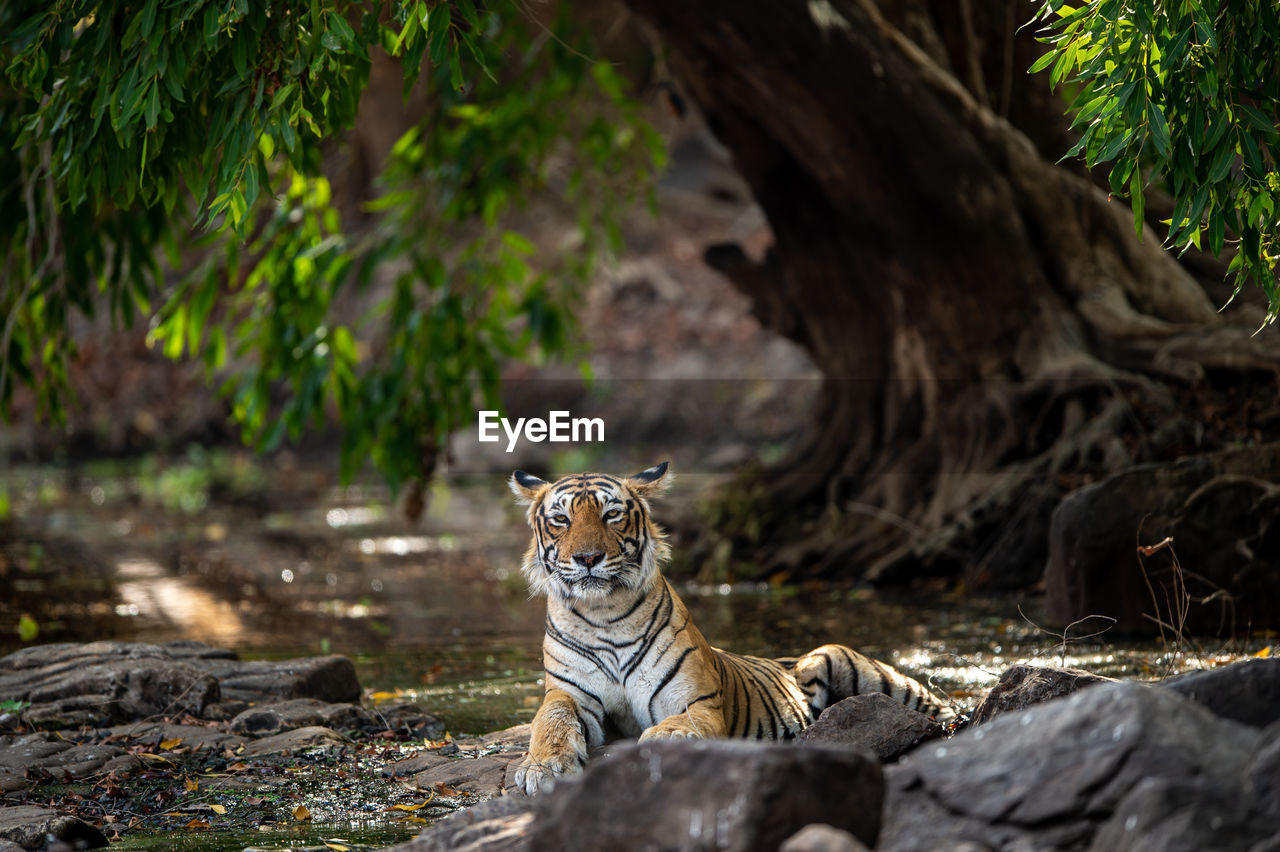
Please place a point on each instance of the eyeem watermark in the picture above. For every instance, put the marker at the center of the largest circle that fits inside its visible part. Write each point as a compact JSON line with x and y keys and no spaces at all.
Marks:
{"x":559,"y":427}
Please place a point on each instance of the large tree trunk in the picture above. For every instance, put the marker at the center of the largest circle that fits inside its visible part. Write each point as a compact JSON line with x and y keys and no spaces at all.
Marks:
{"x":991,"y":331}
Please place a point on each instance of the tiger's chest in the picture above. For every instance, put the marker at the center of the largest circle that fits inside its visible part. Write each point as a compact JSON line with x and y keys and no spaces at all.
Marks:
{"x":638,"y":680}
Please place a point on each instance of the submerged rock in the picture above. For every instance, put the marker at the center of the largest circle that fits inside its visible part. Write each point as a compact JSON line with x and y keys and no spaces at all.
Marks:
{"x":873,"y":723}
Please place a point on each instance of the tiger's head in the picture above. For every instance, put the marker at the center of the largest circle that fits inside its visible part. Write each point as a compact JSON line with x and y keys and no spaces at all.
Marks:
{"x":592,"y":534}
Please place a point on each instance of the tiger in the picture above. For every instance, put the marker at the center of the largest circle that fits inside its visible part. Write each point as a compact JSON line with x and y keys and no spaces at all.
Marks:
{"x":621,"y":655}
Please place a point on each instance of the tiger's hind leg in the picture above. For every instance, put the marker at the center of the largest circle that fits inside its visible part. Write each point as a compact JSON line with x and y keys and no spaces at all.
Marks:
{"x":834,"y":672}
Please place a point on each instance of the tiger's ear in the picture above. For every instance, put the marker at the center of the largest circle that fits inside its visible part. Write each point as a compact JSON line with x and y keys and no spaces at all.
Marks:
{"x":651,"y":482}
{"x":526,"y":487}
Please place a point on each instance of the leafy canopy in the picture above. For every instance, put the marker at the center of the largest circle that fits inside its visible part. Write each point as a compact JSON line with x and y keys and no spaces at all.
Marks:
{"x":166,"y":159}
{"x":1183,"y":94}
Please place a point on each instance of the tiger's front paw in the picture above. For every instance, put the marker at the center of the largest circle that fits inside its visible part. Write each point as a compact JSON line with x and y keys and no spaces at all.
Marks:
{"x":672,"y":728}
{"x":539,"y":776}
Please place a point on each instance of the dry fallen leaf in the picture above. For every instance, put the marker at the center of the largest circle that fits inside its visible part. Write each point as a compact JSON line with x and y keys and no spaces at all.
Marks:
{"x":197,"y":823}
{"x":218,"y":809}
{"x":191,"y":786}
{"x":301,"y":814}
{"x":1264,"y":653}
{"x":151,"y":756}
{"x":173,"y":743}
{"x":410,"y":807}
{"x":338,"y":847}
{"x":237,"y":766}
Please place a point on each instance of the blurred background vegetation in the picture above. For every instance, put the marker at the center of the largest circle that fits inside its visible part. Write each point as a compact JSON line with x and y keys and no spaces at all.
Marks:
{"x":829,"y":260}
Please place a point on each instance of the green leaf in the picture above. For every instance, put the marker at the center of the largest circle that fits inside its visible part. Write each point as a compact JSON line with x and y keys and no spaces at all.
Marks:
{"x":1221,"y":163}
{"x":1159,"y":129}
{"x":1257,"y":118}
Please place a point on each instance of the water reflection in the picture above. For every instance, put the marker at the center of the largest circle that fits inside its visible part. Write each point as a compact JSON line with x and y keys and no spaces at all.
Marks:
{"x":147,"y":591}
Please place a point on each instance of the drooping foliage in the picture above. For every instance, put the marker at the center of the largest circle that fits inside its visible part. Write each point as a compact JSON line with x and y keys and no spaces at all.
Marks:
{"x":1182,"y":95}
{"x":165,"y":159}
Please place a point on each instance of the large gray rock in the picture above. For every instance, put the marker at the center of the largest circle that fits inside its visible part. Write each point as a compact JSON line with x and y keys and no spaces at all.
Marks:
{"x":1183,"y":815}
{"x":331,"y":678}
{"x":1264,"y":773}
{"x":710,"y":795}
{"x":1050,"y":775}
{"x":1247,"y":691}
{"x":1024,"y":686}
{"x":104,"y":683}
{"x":1223,"y":513}
{"x":872,"y":723}
{"x":29,"y":827}
{"x":101,"y":683}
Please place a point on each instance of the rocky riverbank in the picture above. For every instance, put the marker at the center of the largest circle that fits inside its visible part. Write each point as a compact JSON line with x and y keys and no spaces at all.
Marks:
{"x":104,"y":740}
{"x":1054,"y":759}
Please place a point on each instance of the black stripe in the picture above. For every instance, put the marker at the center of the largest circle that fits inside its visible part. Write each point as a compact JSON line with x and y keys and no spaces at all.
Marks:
{"x":578,"y":687}
{"x":658,"y":618}
{"x":671,"y":672}
{"x":635,"y":606}
{"x":884,"y":677}
{"x":706,"y":697}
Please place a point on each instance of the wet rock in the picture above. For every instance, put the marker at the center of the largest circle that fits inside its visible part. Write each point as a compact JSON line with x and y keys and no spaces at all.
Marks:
{"x":819,"y":837}
{"x":29,"y":758}
{"x":1247,"y":691}
{"x":479,"y":765}
{"x":30,"y":827}
{"x":1183,"y":816}
{"x":872,"y":723}
{"x":498,"y":825}
{"x":295,"y":740}
{"x":1222,"y":511}
{"x":1024,"y":686}
{"x":266,"y":719}
{"x":712,"y":794}
{"x":1050,"y":775}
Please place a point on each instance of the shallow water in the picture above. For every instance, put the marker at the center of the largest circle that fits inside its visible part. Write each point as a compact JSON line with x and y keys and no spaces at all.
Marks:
{"x":275,"y":560}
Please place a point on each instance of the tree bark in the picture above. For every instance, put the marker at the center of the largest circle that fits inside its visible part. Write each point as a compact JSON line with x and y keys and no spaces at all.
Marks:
{"x":990,"y":329}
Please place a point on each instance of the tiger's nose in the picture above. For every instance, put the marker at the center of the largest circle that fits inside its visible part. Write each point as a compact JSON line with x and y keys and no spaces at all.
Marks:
{"x":588,"y":560}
